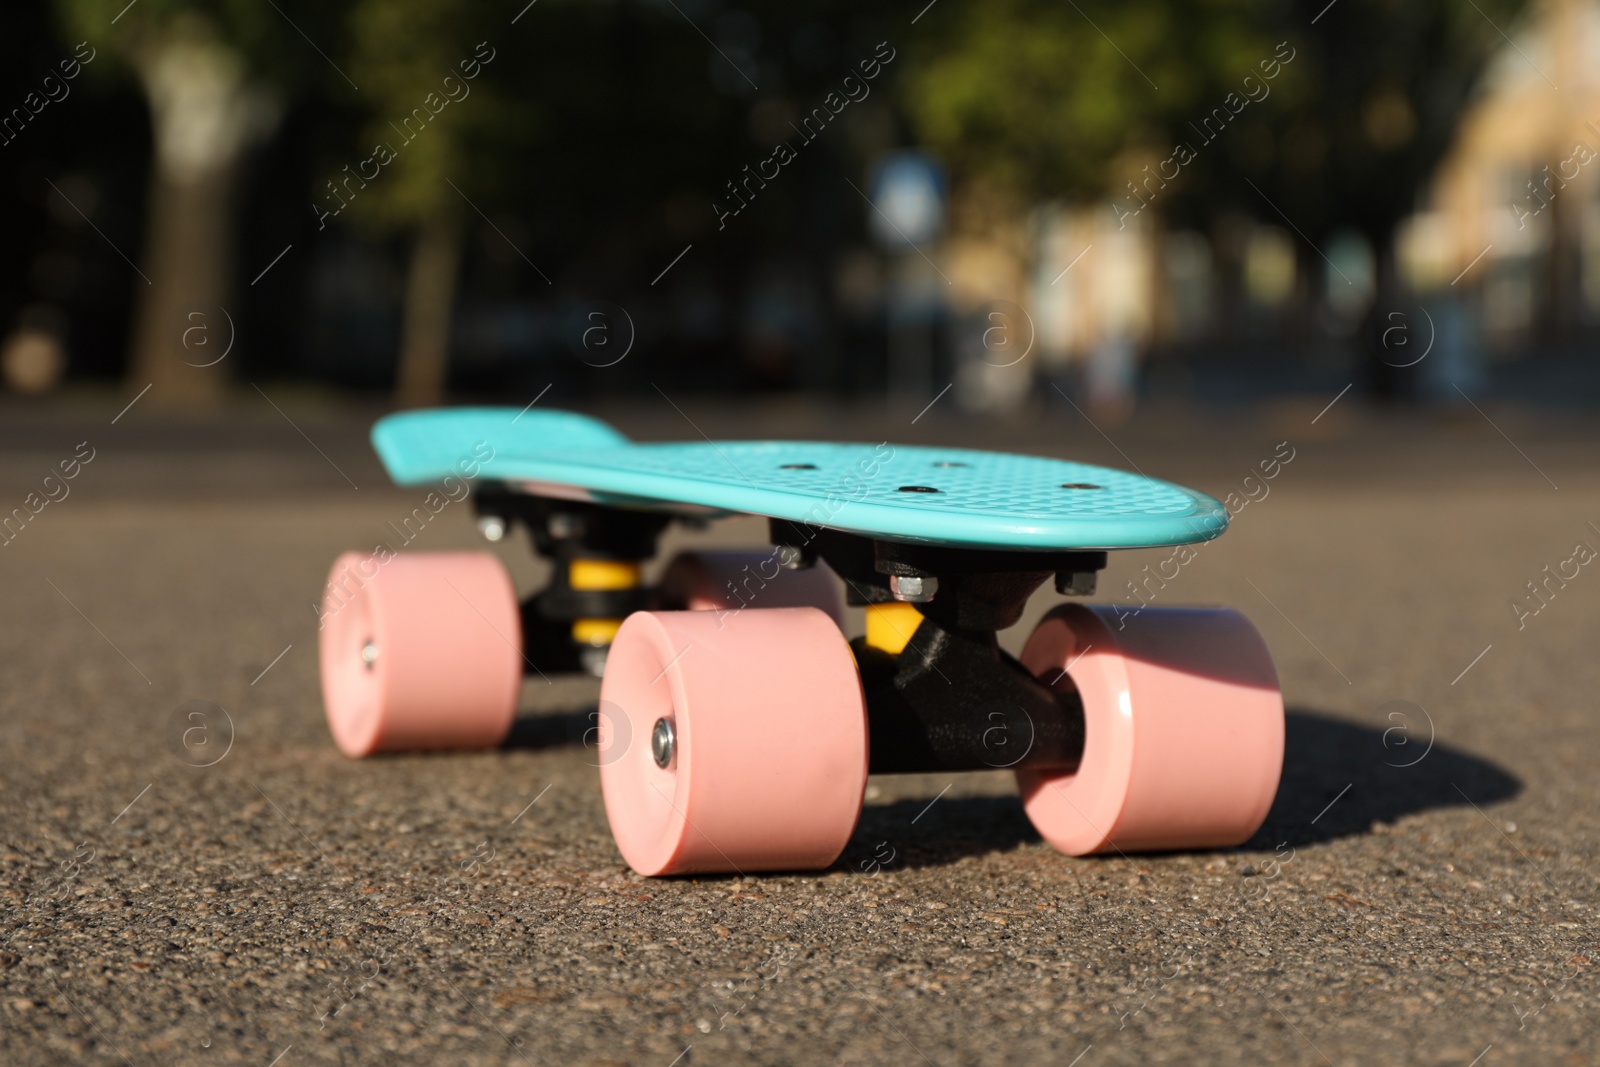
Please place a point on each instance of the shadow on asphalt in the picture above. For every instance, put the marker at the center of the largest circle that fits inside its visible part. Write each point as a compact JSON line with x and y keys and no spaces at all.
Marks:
{"x":1381,"y":774}
{"x":1389,"y":776}
{"x":550,"y":730}
{"x":943,"y":833}
{"x":1339,"y":777}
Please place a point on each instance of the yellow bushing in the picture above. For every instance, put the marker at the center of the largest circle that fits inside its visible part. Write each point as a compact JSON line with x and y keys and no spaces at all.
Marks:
{"x":592,"y":574}
{"x":595,"y":632}
{"x":890,"y":626}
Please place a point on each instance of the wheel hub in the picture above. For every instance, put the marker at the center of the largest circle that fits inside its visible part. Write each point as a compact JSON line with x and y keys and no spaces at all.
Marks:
{"x":663,"y":743}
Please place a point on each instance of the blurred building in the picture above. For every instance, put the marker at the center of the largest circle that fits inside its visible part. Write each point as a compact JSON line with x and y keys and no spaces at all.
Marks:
{"x":1504,"y":251}
{"x":1516,"y":198}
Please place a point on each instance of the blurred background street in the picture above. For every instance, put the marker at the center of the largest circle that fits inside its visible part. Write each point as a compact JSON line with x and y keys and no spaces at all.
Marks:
{"x":431,"y":199}
{"x":1178,"y":238}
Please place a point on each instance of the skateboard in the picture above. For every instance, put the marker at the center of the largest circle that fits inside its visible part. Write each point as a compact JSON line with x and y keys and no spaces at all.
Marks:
{"x":738,"y":723}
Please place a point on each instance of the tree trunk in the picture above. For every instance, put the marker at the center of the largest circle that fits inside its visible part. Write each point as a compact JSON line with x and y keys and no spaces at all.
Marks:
{"x":203,"y":116}
{"x":1386,"y":328}
{"x":178,"y":331}
{"x":1561,"y":305}
{"x":430,"y":294}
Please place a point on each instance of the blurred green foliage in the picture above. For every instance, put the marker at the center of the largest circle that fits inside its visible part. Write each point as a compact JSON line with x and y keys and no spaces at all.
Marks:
{"x":265,"y":43}
{"x":430,"y":83}
{"x":1033,"y":99}
{"x":1037,"y":98}
{"x":1029,"y":99}
{"x":1385,"y":85}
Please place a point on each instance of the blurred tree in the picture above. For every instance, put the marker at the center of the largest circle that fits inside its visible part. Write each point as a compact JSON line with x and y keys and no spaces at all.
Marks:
{"x":599,"y":135}
{"x":438,"y":134}
{"x":1036,"y":100}
{"x":213,"y":74}
{"x":654,"y":124}
{"x":1364,"y":137}
{"x":1030,"y":100}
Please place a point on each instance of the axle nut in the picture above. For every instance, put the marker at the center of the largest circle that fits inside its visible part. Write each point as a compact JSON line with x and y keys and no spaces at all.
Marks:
{"x":663,"y":743}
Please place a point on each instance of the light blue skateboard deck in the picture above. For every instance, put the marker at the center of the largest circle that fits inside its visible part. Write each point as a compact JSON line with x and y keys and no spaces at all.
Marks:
{"x":943,"y":496}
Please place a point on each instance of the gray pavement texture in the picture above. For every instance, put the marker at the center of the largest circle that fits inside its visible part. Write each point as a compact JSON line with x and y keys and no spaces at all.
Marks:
{"x":1423,"y":890}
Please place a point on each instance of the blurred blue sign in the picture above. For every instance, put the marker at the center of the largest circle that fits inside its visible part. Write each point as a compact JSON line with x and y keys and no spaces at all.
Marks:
{"x":908,"y":193}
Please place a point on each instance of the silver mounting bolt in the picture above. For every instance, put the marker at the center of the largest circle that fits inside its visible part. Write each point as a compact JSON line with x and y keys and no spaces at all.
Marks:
{"x":369,"y":653}
{"x":564,"y":527}
{"x":791,"y":558}
{"x":1077,"y":583}
{"x":493,"y":527}
{"x":663,"y":743}
{"x":913,"y":589}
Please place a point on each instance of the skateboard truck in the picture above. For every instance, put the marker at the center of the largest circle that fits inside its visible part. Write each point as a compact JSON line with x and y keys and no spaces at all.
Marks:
{"x":596,"y":553}
{"x":941,"y":694}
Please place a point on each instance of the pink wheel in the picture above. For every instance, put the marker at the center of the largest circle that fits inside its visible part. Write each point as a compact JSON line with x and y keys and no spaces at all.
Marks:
{"x":733,"y":581}
{"x":1183,"y":730}
{"x":419,"y":650}
{"x":736,"y":742}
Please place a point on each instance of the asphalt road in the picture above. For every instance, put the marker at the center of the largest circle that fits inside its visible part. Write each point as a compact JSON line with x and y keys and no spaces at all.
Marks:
{"x":1423,"y":891}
